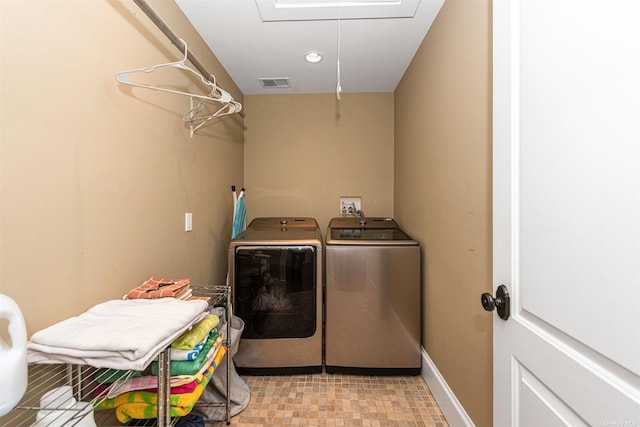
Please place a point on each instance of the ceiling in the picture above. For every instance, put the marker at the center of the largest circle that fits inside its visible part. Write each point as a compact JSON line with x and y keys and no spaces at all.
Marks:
{"x":254,"y":39}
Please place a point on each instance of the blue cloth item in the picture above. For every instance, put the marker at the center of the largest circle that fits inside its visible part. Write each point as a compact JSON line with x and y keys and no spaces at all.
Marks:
{"x":239,"y":218}
{"x":190,"y":420}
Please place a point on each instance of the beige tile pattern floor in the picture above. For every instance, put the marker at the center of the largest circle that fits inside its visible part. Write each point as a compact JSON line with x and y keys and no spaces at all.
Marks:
{"x":339,"y":400}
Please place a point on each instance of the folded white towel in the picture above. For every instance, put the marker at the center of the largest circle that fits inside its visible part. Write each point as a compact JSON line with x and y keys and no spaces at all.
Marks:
{"x":118,"y":334}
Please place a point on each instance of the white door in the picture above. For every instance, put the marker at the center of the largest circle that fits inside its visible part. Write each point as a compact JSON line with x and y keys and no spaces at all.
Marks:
{"x":567,"y":212}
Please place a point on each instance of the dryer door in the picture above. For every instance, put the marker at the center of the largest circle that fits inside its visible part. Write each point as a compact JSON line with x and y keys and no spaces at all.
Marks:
{"x":275,"y":291}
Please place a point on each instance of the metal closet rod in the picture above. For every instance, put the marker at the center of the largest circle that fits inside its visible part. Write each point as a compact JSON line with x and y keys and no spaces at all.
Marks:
{"x":173,"y":37}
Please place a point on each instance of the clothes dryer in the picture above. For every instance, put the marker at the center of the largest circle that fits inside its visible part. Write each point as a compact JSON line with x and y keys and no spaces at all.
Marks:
{"x":373,"y":302}
{"x":277,"y":276}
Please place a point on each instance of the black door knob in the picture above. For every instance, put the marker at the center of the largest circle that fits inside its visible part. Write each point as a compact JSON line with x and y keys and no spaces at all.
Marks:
{"x":488,"y":303}
{"x":501,"y":302}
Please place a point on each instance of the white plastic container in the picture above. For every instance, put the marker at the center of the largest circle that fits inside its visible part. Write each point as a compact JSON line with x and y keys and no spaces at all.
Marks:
{"x":58,"y":398}
{"x":60,"y":409}
{"x":79,"y":414}
{"x":13,"y":356}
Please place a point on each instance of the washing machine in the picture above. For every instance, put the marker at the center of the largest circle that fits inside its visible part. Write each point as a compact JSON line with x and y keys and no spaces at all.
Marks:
{"x":373,"y":298}
{"x":276,"y":273}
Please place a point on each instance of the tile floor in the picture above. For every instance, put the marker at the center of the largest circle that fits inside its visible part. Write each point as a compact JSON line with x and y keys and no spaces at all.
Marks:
{"x":339,"y":400}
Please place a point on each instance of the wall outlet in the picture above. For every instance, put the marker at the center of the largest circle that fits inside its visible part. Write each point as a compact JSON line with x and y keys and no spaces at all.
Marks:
{"x":349,"y":206}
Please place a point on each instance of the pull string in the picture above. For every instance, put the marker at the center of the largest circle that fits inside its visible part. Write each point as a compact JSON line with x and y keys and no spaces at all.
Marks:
{"x":338,"y":86}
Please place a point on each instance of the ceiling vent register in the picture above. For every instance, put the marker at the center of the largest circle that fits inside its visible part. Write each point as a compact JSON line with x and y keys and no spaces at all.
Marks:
{"x":275,"y":83}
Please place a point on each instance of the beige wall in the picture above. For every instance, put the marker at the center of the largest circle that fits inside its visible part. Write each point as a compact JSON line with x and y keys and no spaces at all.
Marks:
{"x":302,"y":152}
{"x":443,"y":193}
{"x":95,"y":176}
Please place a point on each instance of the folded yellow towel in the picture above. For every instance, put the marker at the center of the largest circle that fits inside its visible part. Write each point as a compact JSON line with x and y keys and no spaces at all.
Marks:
{"x":194,"y":336}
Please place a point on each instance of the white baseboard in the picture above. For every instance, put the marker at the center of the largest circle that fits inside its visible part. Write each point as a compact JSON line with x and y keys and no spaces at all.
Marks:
{"x":449,"y":404}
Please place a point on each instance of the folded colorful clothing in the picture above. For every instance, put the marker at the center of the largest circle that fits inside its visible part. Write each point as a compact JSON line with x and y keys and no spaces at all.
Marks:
{"x":217,"y":357}
{"x":145,"y":383}
{"x":144,"y":405}
{"x":180,"y":389}
{"x":184,"y":293}
{"x":155,"y":287}
{"x":188,"y":354}
{"x":189,"y":339}
{"x":108,"y":376}
{"x":192,"y":367}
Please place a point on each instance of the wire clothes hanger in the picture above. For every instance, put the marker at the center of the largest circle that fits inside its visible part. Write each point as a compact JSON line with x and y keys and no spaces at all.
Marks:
{"x":216,"y":94}
{"x":198,"y":115}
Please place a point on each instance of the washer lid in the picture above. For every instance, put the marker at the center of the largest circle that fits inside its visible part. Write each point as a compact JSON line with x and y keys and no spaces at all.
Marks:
{"x":363,"y":223}
{"x":357,"y":236}
{"x":366,"y":231}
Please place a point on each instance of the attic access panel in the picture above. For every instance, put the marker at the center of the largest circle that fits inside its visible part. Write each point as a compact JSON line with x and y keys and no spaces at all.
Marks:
{"x":313,"y":10}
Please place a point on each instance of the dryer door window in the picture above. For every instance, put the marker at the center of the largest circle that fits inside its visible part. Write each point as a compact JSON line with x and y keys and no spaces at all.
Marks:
{"x":275,"y":291}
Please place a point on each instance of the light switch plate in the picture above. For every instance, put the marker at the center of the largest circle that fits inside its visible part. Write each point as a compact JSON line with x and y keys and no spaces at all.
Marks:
{"x":188,"y":222}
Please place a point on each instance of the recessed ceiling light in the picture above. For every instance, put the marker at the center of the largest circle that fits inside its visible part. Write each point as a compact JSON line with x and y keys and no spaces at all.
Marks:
{"x":313,"y":57}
